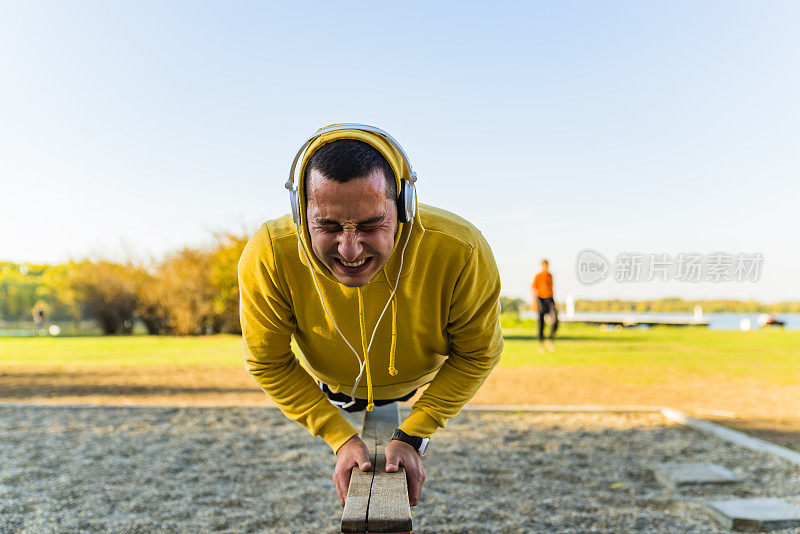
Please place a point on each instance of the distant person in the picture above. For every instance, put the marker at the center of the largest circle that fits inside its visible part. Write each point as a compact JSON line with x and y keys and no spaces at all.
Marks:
{"x":542,"y":293}
{"x":38,"y":318}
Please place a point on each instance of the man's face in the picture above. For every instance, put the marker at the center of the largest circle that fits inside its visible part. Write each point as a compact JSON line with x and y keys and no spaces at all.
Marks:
{"x":352,"y":225}
{"x":545,"y":265}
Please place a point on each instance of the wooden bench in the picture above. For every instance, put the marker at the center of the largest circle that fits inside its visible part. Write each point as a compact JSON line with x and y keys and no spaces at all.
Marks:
{"x":377,"y":501}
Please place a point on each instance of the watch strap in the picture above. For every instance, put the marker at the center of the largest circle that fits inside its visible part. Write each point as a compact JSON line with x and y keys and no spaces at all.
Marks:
{"x":420,"y":444}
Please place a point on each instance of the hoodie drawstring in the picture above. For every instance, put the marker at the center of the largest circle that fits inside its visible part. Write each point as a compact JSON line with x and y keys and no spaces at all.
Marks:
{"x":363,"y":324}
{"x":392,"y":368}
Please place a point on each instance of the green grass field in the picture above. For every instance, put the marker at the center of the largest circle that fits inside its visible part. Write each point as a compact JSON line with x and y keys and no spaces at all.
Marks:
{"x":772,"y":355}
{"x":121,"y":351}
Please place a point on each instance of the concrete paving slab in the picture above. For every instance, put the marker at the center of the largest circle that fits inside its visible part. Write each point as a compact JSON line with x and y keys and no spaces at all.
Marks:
{"x":755,"y":515}
{"x":674,"y":475}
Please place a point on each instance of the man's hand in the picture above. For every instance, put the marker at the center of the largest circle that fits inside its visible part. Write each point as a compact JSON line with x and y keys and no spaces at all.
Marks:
{"x":353,"y":453}
{"x":399,"y":453}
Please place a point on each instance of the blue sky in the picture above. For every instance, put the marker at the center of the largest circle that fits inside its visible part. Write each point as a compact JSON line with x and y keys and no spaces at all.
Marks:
{"x":554,"y":127}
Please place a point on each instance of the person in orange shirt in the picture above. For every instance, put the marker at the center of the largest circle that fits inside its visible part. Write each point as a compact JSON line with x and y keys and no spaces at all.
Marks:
{"x":542,"y":293}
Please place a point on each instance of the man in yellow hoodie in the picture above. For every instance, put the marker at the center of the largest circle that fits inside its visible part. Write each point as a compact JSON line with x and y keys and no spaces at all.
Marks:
{"x":354,"y":247}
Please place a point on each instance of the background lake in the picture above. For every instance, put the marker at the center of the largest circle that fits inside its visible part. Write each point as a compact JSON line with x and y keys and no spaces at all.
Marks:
{"x":717,"y":321}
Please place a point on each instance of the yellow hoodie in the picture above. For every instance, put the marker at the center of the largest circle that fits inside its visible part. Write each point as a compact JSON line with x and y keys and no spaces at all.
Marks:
{"x":446,"y":313}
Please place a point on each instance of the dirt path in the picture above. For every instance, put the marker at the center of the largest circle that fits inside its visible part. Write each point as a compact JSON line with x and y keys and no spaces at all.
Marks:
{"x":772,"y":412}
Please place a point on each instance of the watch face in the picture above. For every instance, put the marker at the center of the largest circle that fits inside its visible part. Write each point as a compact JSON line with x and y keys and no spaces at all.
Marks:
{"x":424,"y":447}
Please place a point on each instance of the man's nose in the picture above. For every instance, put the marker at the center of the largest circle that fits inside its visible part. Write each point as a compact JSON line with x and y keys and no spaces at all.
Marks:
{"x":350,"y":246}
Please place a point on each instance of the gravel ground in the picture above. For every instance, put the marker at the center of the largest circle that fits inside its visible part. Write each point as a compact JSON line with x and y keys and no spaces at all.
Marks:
{"x":136,"y":469}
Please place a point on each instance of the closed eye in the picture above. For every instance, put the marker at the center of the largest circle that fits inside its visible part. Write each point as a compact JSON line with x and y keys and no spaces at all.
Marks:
{"x":366,"y":226}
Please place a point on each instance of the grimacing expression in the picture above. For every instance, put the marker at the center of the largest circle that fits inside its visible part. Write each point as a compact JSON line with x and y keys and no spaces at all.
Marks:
{"x":352,"y":225}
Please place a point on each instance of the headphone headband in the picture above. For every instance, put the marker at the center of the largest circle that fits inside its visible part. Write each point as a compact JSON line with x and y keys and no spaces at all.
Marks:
{"x":412,"y":176}
{"x":406,"y":199}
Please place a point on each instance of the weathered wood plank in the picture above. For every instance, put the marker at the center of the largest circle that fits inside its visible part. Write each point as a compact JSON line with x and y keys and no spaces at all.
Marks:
{"x":354,"y":515}
{"x":379,"y":499}
{"x":389,"y":510}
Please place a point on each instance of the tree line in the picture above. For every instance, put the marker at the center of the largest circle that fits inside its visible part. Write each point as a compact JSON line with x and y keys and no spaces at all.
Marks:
{"x":195,"y":291}
{"x":188,"y":292}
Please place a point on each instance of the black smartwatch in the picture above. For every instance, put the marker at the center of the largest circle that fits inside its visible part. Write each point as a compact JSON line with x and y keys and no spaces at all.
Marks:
{"x":420,"y":444}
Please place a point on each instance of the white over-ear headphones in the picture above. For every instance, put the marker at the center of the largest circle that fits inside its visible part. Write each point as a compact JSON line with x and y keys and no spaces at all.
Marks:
{"x":406,"y":199}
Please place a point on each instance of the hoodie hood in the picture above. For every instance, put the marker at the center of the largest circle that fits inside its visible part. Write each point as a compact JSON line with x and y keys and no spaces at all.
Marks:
{"x":397,"y":163}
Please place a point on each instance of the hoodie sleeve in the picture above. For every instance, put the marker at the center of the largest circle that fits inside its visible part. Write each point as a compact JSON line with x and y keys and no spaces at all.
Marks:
{"x":476,"y":344}
{"x":267,"y":326}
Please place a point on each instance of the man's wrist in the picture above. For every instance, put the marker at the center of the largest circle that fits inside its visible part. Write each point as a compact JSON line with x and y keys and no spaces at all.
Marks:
{"x":346,"y":442}
{"x":419,"y":444}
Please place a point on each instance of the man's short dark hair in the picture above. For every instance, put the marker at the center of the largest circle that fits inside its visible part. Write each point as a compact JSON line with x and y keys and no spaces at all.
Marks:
{"x":346,"y":159}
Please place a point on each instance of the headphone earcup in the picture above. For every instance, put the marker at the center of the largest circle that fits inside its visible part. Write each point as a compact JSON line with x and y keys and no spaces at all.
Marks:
{"x":294,"y":200}
{"x":406,"y":202}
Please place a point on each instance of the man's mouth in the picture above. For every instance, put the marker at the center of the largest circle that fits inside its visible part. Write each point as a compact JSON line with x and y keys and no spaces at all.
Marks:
{"x":354,"y":263}
{"x":353,"y":267}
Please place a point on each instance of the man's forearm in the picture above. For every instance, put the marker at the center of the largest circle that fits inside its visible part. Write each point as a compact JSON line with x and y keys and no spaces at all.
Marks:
{"x":453,"y":386}
{"x":297,"y":395}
